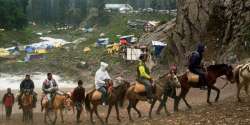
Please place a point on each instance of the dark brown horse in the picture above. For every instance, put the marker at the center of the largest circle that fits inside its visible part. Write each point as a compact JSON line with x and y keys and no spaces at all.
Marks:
{"x":116,"y":97}
{"x":213,"y":72}
{"x":169,"y":79}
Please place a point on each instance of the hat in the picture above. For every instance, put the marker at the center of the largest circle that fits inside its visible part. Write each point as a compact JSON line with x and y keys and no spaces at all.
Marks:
{"x":103,"y":64}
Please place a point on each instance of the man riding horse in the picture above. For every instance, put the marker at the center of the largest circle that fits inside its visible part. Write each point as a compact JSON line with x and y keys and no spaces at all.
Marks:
{"x":50,"y":88}
{"x":144,"y":77}
{"x":100,"y":83}
{"x":27,"y":85}
{"x":195,"y":65}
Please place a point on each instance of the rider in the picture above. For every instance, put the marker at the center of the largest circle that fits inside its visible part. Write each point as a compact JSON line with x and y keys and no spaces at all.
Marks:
{"x":49,"y":88}
{"x":144,"y":77}
{"x":100,"y":77}
{"x":195,"y":64}
{"x":27,"y":84}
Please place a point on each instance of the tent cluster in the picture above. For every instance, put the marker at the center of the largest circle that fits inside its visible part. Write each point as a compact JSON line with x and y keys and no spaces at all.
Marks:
{"x":46,"y":44}
{"x":34,"y":50}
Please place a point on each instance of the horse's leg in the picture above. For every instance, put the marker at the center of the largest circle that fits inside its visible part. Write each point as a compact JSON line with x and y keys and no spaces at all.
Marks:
{"x":91,"y":115}
{"x":117,"y":112}
{"x":184,"y":99}
{"x":97,"y":114}
{"x":163,"y":104}
{"x":239,"y":86}
{"x":109,"y":110}
{"x":129,"y":110}
{"x":56,"y":113}
{"x":246,"y":88}
{"x":218,"y":93}
{"x":61,"y":113}
{"x":134,"y":106}
{"x":31,"y":113}
{"x":181,"y":96}
{"x":151,"y":108}
{"x":208,"y":95}
{"x":45,"y":116}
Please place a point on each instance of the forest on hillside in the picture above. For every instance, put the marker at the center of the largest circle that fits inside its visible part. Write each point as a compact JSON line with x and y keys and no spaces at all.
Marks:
{"x":17,"y":13}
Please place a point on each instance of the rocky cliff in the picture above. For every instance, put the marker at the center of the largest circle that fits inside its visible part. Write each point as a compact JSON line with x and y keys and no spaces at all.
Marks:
{"x":223,"y":25}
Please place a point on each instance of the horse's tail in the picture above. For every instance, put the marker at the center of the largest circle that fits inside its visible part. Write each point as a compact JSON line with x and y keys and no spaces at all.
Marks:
{"x":237,"y":75}
{"x":87,"y":102}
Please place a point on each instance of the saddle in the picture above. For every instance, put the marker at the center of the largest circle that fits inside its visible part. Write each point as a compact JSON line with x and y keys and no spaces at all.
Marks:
{"x":97,"y":95}
{"x":140,"y":88}
{"x":194,"y":78}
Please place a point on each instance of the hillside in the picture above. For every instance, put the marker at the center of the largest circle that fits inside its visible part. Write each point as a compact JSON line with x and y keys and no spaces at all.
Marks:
{"x":223,"y":25}
{"x":64,"y":61}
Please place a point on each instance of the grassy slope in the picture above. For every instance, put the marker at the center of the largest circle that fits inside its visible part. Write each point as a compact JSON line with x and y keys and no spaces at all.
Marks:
{"x":64,"y":61}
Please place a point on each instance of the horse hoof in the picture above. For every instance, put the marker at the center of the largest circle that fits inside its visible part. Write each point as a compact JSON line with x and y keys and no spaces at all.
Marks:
{"x":158,"y":113}
{"x":209,"y":103}
{"x":119,"y":120}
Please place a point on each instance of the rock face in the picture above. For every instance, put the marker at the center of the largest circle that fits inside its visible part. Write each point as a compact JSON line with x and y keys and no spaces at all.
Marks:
{"x":223,"y":25}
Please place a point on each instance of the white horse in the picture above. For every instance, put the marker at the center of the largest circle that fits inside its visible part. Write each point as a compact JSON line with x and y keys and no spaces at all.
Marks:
{"x":242,"y":78}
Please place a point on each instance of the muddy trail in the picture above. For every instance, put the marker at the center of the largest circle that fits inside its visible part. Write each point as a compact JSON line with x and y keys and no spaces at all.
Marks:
{"x":226,"y":112}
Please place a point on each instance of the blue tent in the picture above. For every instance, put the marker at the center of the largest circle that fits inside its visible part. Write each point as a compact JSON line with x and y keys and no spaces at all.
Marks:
{"x":29,"y":49}
{"x":158,"y":47}
{"x":102,"y":42}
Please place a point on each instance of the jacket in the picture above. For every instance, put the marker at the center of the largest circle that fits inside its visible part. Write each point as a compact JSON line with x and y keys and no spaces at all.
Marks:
{"x":27,"y":84}
{"x":8,"y":100}
{"x":49,"y":86}
{"x":78,"y":95}
{"x":101,"y":75}
{"x":195,"y":60}
{"x":143,"y":71}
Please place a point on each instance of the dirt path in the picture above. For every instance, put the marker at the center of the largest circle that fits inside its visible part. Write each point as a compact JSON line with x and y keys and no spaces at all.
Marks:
{"x":227,"y":111}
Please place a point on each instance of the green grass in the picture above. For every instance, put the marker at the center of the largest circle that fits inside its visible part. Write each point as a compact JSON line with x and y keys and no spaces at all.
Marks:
{"x":65,"y":61}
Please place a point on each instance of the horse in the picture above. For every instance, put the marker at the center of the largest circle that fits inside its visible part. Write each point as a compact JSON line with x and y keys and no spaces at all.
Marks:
{"x":242,"y":78}
{"x":116,"y":96}
{"x":213,"y":72}
{"x":27,"y":105}
{"x":60,"y":102}
{"x":162,"y":84}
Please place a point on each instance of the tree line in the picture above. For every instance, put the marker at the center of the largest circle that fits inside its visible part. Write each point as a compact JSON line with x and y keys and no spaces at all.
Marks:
{"x":16,"y":13}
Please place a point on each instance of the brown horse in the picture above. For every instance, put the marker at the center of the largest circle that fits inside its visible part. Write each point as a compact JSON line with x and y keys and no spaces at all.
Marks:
{"x":165,"y":81}
{"x":116,"y":96}
{"x":213,"y":72}
{"x":60,"y":102}
{"x":27,"y":106}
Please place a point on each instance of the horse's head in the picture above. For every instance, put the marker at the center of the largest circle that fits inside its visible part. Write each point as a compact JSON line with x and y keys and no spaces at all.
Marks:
{"x":27,"y":98}
{"x":172,"y":78}
{"x":68,"y":103}
{"x":108,"y":82}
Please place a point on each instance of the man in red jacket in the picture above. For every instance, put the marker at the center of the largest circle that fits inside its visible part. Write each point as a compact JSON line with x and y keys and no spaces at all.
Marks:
{"x":78,"y":97}
{"x":8,"y":101}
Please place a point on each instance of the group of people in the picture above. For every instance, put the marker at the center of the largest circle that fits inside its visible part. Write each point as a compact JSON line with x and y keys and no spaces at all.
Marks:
{"x":50,"y":86}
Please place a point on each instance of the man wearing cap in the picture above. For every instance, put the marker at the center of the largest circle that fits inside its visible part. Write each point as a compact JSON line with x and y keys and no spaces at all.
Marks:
{"x":100,"y":77}
{"x":144,"y":77}
{"x":195,"y":64}
{"x":27,"y":85}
